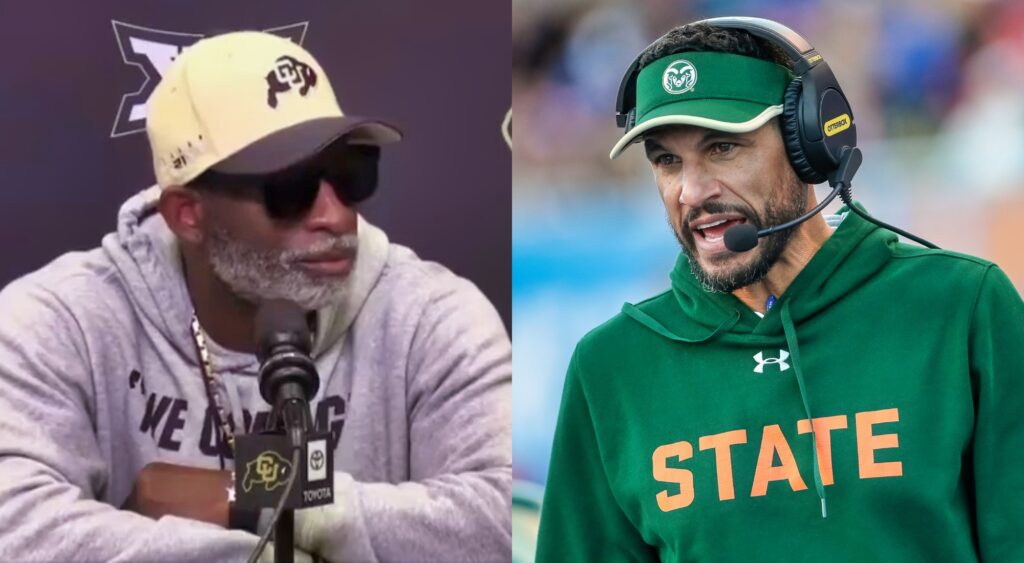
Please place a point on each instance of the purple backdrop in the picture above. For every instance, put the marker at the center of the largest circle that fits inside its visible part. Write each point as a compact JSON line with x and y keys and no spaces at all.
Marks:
{"x":440,"y":70}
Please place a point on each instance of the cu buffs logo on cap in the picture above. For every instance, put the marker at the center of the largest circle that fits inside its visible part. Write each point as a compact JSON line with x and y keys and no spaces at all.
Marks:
{"x":680,"y":77}
{"x":287,"y":73}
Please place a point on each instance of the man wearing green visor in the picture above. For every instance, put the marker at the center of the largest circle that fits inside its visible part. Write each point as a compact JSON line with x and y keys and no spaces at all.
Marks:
{"x":792,"y":397}
{"x":726,"y":109}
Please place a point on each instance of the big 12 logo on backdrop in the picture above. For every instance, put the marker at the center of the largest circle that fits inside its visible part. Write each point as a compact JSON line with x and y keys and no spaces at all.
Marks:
{"x":153,"y":51}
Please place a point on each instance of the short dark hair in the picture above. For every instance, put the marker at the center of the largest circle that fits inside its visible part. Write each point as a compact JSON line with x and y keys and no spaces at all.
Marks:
{"x":704,"y":37}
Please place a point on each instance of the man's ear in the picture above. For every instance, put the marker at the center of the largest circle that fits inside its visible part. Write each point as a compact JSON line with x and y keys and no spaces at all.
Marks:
{"x":182,"y":209}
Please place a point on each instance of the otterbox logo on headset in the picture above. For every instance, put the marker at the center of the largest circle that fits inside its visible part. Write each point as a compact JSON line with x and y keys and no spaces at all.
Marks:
{"x":837,"y":125}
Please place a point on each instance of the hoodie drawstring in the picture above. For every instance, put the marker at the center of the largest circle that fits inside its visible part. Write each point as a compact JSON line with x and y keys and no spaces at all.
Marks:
{"x":794,"y":351}
{"x":643,"y":318}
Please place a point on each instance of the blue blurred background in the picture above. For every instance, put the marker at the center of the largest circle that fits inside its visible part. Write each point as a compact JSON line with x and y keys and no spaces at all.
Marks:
{"x":937,"y":87}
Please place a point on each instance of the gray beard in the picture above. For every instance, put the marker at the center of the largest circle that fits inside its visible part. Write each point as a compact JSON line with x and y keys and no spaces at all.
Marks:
{"x":256,"y":275}
{"x":769,"y":249}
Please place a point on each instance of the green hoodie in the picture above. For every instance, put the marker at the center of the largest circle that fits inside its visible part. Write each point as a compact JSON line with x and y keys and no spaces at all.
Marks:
{"x":683,"y":433}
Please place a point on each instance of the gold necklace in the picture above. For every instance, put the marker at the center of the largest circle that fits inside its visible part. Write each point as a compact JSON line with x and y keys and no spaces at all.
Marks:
{"x":211,"y":386}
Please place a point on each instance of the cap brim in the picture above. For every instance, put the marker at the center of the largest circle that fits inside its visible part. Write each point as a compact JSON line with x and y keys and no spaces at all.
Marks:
{"x":291,"y":145}
{"x":731,"y":116}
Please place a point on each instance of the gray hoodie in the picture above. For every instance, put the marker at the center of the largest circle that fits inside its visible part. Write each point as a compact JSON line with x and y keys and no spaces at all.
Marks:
{"x":99,"y":376}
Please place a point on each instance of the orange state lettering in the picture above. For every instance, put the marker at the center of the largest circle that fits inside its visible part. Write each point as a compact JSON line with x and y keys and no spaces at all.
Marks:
{"x":773,"y":443}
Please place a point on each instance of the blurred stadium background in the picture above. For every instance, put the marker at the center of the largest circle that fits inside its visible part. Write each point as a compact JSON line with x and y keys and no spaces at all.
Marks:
{"x":937,"y":88}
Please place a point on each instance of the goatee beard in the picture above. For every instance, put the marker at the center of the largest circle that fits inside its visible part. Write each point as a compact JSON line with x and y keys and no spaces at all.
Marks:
{"x":769,"y":249}
{"x":255,"y":275}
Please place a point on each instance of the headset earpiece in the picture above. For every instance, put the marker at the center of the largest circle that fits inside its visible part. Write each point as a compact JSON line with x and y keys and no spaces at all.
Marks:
{"x":790,"y":127}
{"x":825,"y":119}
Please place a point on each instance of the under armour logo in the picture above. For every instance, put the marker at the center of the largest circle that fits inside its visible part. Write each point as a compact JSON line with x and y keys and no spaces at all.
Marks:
{"x":287,"y":73}
{"x":762,"y":361}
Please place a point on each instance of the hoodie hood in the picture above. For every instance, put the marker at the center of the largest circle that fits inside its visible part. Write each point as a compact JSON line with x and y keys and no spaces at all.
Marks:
{"x":856,"y":250}
{"x":147,"y":256}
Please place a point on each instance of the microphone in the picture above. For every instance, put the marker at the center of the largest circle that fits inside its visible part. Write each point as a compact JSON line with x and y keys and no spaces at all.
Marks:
{"x":744,"y":237}
{"x":288,"y":378}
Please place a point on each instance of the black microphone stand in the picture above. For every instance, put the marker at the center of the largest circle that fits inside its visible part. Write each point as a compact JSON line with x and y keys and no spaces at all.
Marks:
{"x":290,"y":416}
{"x":287,"y":380}
{"x":284,"y":537}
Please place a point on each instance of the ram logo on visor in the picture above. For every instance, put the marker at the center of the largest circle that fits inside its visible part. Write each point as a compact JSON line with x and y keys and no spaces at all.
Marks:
{"x":680,"y":77}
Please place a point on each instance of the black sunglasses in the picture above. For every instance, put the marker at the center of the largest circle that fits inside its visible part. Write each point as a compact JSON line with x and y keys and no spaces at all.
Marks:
{"x":289,"y":194}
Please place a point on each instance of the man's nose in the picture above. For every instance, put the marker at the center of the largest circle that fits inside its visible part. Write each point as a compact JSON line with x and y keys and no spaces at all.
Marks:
{"x":697,"y":186}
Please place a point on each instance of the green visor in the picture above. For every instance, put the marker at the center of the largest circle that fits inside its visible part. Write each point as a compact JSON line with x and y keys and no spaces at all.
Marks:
{"x":719,"y":91}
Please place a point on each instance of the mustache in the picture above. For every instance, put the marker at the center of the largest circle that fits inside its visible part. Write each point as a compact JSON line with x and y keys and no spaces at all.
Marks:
{"x":713,"y":207}
{"x":344,"y":243}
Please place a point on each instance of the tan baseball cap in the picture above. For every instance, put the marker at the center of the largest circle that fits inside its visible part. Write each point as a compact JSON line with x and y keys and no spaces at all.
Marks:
{"x":247,"y":103}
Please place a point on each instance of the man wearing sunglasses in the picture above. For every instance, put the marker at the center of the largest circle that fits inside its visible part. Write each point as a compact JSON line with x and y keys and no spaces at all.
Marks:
{"x":127,"y":371}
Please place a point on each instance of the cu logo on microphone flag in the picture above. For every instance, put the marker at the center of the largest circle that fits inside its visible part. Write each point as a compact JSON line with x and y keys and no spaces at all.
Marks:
{"x":268,"y":469}
{"x":264,"y":467}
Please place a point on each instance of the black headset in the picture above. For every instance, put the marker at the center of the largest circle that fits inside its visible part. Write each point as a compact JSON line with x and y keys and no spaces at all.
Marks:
{"x":817,"y":121}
